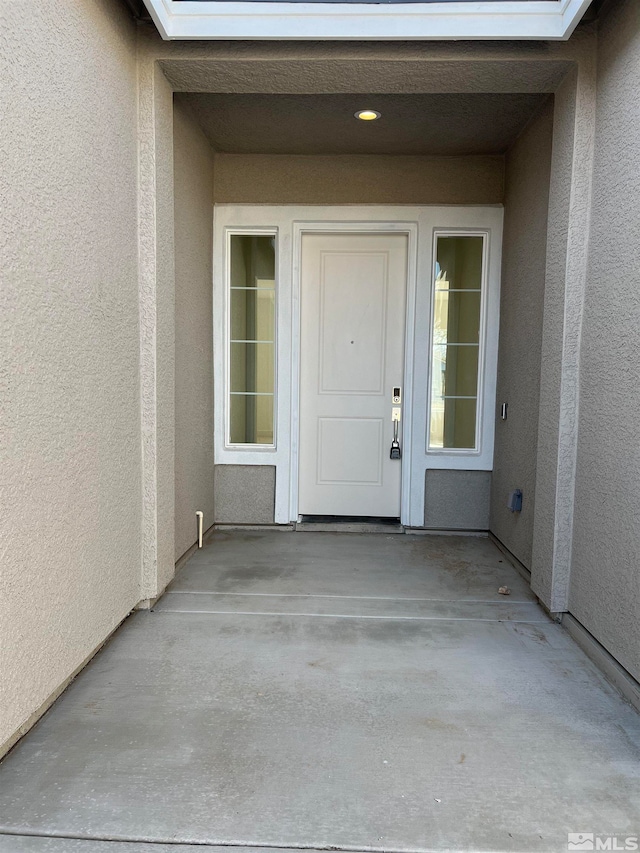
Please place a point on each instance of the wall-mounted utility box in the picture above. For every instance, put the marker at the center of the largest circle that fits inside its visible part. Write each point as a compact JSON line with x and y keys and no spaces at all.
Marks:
{"x":514,"y":503}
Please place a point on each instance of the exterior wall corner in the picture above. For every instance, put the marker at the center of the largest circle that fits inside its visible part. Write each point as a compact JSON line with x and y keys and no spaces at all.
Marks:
{"x":156,"y":309}
{"x":565,"y":282}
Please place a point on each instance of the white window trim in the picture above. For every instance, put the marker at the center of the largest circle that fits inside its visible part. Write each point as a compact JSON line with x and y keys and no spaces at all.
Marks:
{"x":289,"y":223}
{"x":480,"y":219}
{"x":258,"y":448}
{"x":453,"y":19}
{"x":482,"y":417}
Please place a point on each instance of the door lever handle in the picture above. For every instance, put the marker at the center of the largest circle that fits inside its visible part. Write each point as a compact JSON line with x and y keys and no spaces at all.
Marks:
{"x":396,"y":452}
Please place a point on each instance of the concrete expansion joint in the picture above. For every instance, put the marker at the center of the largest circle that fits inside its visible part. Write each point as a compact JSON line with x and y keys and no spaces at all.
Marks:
{"x":346,"y":597}
{"x":355,"y":617}
{"x":211,"y":846}
{"x":355,"y":607}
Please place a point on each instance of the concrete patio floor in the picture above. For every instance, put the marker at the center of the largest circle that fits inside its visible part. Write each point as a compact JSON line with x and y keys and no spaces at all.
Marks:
{"x":330,"y":691}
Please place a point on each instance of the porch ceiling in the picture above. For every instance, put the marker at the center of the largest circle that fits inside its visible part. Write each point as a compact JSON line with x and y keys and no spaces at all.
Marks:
{"x":427,"y":123}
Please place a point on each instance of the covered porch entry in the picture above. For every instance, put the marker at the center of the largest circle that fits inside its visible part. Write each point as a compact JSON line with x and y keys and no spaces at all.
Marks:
{"x":336,"y":692}
{"x":295,"y":690}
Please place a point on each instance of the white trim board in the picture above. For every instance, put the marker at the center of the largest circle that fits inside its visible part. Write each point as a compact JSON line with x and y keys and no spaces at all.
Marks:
{"x":289,"y":223}
{"x":476,"y":20}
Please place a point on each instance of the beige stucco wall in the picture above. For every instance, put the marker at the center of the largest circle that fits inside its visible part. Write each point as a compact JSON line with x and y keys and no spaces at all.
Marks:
{"x":193,"y":205}
{"x":70,"y":489}
{"x":357,"y":179}
{"x":156,"y":277}
{"x":527,"y":174}
{"x":84,"y":259}
{"x":604,"y":591}
{"x":565,"y":282}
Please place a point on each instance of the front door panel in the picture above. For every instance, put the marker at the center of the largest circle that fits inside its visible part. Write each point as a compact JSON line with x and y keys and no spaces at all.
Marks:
{"x":353,"y":293}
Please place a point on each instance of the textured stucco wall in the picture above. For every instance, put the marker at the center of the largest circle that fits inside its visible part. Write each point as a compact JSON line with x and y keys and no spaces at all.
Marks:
{"x":245,"y":494}
{"x":156,"y":275}
{"x":565,"y":283}
{"x":605,"y":572}
{"x":69,"y":371}
{"x":527,"y":174}
{"x":381,"y":67}
{"x":193,"y":200}
{"x":357,"y":179}
{"x":457,"y":500}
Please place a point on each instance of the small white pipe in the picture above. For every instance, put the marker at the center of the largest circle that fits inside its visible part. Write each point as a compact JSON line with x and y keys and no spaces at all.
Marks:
{"x":200,"y":517}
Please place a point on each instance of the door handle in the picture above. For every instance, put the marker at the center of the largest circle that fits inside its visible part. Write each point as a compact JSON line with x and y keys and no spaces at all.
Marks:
{"x":396,"y":451}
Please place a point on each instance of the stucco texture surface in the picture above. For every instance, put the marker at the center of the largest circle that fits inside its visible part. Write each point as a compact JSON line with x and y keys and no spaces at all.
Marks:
{"x":357,"y":179}
{"x":604,"y":591}
{"x":542,"y":559}
{"x":245,"y":494}
{"x":444,"y":124}
{"x":70,"y":422}
{"x":457,"y":500}
{"x":527,"y":174}
{"x":193,"y":199}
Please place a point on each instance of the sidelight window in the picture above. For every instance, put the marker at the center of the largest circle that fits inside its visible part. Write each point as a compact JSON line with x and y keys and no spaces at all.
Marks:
{"x":456,"y":342}
{"x":252,"y":335}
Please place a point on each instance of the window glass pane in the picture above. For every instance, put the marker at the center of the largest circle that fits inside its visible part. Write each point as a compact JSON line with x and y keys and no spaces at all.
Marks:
{"x":252,"y":308}
{"x":253,"y":259}
{"x":253,"y":314}
{"x":456,"y":342}
{"x":251,"y":368}
{"x":457,"y":316}
{"x":455,"y":371}
{"x":251,"y":419}
{"x":459,"y":262}
{"x":453,"y":423}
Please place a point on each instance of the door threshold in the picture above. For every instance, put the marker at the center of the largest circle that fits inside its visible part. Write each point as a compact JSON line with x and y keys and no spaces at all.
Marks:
{"x":347,"y":524}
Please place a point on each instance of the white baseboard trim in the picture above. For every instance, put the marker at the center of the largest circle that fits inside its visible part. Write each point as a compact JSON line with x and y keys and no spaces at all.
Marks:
{"x":614,"y":672}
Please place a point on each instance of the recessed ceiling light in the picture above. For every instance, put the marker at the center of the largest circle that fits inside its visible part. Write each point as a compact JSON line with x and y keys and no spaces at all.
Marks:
{"x":367,"y":115}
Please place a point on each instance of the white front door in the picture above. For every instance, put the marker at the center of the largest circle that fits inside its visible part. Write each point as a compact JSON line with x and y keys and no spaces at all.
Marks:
{"x":353,"y":292}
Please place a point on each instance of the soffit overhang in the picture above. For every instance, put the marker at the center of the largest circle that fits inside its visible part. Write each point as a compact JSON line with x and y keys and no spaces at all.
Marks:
{"x":427,"y":20}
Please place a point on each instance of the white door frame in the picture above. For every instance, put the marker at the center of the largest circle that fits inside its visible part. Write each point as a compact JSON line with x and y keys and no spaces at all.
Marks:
{"x":289,"y":223}
{"x":410,"y":230}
